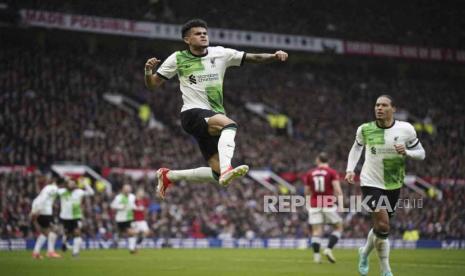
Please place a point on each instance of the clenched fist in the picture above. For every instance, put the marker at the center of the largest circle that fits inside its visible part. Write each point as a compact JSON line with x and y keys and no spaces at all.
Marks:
{"x":400,"y":149}
{"x":281,"y":55}
{"x":350,"y":177}
{"x":151,"y":63}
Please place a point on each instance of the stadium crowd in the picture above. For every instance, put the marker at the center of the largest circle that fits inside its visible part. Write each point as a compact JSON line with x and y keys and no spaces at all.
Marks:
{"x":53,"y":110}
{"x":388,"y":22}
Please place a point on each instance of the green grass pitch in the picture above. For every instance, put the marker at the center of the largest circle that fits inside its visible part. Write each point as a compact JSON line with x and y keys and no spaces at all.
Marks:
{"x":235,"y":262}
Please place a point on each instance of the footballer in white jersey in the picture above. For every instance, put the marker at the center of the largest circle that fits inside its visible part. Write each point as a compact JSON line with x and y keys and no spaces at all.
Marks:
{"x":124,"y":204}
{"x":71,"y":213}
{"x":201,"y":70}
{"x":387,"y":143}
{"x":42,"y":218}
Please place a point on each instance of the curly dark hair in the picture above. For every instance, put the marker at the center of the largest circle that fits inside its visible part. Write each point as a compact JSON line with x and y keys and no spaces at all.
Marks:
{"x":192,"y":24}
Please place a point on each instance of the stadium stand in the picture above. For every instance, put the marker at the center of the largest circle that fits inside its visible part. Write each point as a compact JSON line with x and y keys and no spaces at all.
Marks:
{"x":53,"y":110}
{"x":365,"y":20}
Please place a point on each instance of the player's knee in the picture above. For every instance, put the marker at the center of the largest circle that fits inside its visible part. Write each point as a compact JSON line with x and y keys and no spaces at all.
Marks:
{"x":381,"y":229}
{"x":316,"y":230}
{"x":384,"y":227}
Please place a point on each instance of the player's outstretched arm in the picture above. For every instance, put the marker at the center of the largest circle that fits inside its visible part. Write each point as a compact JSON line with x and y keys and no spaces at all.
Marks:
{"x":152,"y":81}
{"x":264,"y":58}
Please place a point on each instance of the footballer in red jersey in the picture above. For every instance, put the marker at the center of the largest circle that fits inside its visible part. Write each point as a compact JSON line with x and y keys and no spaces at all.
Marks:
{"x":140,"y":224}
{"x":323,"y":186}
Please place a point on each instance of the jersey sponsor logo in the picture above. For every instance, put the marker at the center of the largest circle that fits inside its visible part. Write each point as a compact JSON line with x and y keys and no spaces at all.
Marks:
{"x":375,"y":150}
{"x":192,"y":79}
{"x":208,"y":77}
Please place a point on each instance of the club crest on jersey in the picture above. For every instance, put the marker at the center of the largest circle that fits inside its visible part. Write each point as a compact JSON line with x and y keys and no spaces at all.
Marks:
{"x":212,"y":62}
{"x":373,"y":150}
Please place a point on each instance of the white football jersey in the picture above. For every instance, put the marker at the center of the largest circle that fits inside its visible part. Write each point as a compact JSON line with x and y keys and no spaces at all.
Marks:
{"x":201,"y":77}
{"x":43,"y":203}
{"x":70,"y":202}
{"x":383,"y":167}
{"x":124,"y":206}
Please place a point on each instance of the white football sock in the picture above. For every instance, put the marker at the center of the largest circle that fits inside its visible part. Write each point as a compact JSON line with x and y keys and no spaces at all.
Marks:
{"x":77,"y":245}
{"x":202,"y":174}
{"x":382,"y":247}
{"x":52,"y":237}
{"x":369,"y":243}
{"x":226,"y":146}
{"x":39,"y":243}
{"x":132,"y":243}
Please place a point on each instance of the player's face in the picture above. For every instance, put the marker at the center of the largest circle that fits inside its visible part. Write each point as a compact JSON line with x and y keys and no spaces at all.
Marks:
{"x":126,"y":189}
{"x":384,"y":109}
{"x":197,"y":37}
{"x":71,"y":184}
